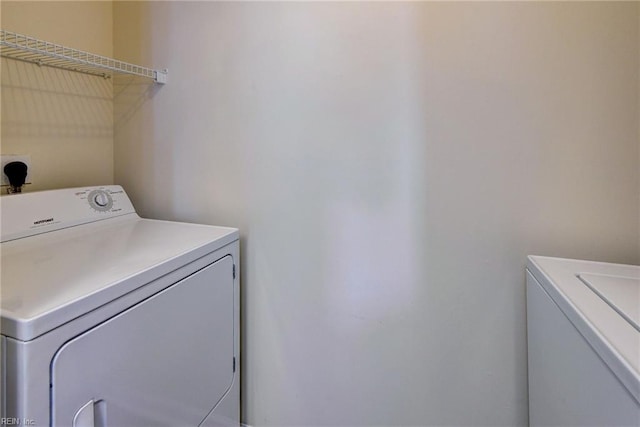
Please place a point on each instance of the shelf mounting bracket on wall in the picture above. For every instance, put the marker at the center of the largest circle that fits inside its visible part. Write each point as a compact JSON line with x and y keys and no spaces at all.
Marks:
{"x":40,"y":52}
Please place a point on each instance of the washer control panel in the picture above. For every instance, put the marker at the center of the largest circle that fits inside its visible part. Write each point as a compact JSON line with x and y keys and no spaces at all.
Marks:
{"x":27,"y":214}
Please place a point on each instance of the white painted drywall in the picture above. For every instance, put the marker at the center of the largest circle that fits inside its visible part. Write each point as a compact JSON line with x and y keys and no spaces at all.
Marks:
{"x":390,"y":165}
{"x":62,"y":119}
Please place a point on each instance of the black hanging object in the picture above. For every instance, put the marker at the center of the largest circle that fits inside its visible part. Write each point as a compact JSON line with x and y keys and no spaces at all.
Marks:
{"x":17,"y":174}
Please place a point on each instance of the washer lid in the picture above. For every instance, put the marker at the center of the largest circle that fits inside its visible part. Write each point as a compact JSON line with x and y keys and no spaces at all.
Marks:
{"x":621,"y":293}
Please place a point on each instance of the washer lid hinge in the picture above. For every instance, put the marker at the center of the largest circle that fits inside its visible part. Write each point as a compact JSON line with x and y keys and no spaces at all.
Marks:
{"x":234,"y":364}
{"x":234,"y":271}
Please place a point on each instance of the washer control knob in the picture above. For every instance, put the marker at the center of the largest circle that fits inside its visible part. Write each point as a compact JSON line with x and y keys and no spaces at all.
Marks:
{"x":100,"y":200}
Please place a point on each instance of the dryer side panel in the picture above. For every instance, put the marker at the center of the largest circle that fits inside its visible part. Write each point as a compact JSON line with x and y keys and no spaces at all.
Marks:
{"x":166,"y":361}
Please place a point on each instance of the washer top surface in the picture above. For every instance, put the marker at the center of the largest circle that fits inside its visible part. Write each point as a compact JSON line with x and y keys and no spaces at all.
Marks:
{"x":602,"y":300}
{"x":51,"y":278}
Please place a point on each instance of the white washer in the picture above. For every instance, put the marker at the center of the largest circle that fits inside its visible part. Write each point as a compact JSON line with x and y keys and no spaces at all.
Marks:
{"x":583,"y":324}
{"x":111,"y":319}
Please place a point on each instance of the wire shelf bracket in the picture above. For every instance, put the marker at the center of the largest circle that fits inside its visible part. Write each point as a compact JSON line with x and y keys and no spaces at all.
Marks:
{"x":30,"y":49}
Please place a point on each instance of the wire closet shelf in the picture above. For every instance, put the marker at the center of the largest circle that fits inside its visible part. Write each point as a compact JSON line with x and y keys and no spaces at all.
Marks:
{"x":29,"y":49}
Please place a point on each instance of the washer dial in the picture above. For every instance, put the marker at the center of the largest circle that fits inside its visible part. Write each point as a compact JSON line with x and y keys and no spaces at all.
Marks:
{"x":100,"y":200}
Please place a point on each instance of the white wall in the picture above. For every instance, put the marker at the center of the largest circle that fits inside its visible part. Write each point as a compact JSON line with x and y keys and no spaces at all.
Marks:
{"x":63,"y":120}
{"x":390,"y":166}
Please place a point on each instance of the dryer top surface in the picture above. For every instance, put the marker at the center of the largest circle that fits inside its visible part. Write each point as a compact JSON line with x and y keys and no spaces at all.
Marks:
{"x":52,"y":278}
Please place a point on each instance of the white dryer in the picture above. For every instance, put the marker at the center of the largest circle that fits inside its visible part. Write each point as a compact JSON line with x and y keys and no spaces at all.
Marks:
{"x":109,"y":319}
{"x":583,"y":324}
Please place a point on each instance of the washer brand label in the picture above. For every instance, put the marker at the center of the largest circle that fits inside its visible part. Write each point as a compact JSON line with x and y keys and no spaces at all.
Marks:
{"x":43,"y":221}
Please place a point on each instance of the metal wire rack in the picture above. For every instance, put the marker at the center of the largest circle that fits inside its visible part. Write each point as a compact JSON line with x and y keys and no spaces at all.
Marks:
{"x":30,"y":49}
